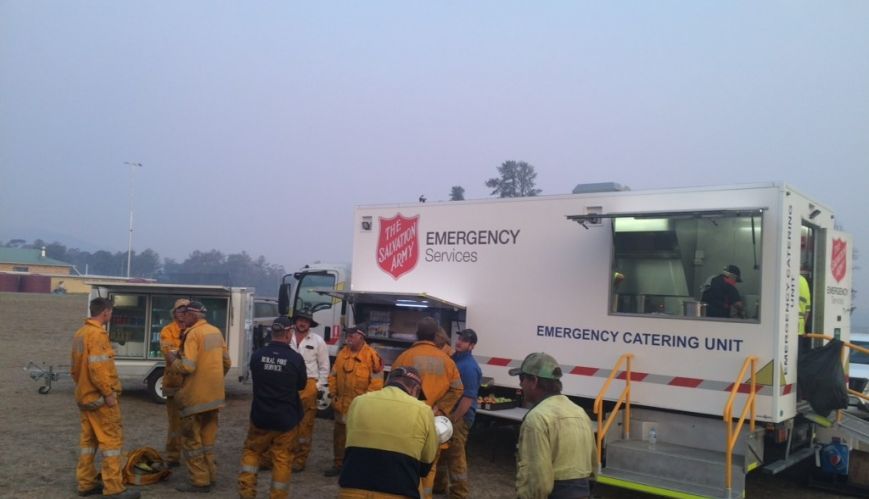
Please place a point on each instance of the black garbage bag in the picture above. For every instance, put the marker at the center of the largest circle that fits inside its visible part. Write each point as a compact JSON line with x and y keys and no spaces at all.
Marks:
{"x":821,"y":378}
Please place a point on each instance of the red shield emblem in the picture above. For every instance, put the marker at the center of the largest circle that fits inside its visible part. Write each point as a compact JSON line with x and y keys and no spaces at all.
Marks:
{"x":398,"y":245}
{"x":838,"y":261}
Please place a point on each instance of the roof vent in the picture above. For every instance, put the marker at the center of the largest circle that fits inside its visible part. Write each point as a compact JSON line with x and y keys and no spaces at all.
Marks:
{"x":599,"y":187}
{"x":42,"y":253}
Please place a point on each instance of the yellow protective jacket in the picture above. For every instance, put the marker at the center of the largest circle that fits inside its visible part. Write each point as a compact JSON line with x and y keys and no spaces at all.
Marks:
{"x":93,"y":366}
{"x":170,"y":340}
{"x":353,"y":374}
{"x":805,"y":304}
{"x":441,"y":380}
{"x":204,"y":363}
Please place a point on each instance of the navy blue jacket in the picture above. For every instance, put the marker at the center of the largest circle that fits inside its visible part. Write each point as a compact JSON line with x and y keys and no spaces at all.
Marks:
{"x":278,"y":374}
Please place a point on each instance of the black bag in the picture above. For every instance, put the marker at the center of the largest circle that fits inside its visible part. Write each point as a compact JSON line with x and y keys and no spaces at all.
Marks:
{"x":821,"y":378}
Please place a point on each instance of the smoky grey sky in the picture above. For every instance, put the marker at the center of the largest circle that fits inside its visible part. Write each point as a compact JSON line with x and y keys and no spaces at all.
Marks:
{"x":261,"y":124}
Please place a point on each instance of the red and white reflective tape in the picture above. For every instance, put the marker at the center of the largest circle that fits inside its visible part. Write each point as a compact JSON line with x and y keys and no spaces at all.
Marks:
{"x":641,"y":377}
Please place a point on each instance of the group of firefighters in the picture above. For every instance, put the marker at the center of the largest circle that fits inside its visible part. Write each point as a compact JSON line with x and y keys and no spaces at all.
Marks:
{"x":385,"y":441}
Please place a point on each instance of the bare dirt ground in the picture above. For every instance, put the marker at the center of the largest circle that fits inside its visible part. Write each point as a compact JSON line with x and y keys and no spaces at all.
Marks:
{"x":39,"y":437}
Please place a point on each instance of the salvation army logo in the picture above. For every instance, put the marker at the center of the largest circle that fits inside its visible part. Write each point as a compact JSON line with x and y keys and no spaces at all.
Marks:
{"x":398,"y":245}
{"x":838,"y":262}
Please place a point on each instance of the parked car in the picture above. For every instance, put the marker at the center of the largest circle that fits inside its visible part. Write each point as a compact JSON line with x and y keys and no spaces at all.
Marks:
{"x":858,"y":373}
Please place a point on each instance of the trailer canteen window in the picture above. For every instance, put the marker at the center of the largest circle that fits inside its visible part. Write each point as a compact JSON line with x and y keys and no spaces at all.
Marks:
{"x":662,"y":263}
{"x":127,"y":327}
{"x":136,"y":314}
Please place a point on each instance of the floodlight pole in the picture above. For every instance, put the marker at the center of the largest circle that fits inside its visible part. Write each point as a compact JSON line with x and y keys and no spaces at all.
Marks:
{"x":133,"y":166}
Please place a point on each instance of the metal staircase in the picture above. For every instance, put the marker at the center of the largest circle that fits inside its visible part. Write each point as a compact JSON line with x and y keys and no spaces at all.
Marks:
{"x":688,"y":458}
{"x":678,"y":455}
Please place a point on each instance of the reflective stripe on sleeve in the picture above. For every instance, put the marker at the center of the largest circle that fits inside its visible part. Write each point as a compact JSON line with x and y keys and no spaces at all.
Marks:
{"x":88,"y":451}
{"x":111,"y":452}
{"x":188,"y":363}
{"x":98,"y":358}
{"x":456,"y":383}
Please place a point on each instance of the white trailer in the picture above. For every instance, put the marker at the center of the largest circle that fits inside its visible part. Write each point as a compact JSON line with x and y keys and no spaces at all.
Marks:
{"x":141,"y":310}
{"x":591,"y":277}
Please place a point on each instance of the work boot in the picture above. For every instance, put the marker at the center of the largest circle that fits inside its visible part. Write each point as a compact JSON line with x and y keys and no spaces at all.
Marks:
{"x":127,"y":494}
{"x":189,"y":487}
{"x":91,"y":492}
{"x":333,"y":471}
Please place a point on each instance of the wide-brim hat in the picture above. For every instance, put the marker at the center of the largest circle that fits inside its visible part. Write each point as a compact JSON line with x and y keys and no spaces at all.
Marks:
{"x":303,"y":314}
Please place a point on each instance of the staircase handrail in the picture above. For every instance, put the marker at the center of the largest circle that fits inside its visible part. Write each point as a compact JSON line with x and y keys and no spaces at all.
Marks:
{"x":624,"y":397}
{"x":733,"y":433}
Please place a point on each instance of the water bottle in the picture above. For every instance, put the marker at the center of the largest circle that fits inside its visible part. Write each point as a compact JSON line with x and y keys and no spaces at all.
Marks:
{"x":653,"y":437}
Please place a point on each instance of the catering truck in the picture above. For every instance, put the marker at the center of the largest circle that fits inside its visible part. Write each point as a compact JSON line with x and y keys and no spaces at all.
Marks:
{"x":141,"y":310}
{"x":611,"y":284}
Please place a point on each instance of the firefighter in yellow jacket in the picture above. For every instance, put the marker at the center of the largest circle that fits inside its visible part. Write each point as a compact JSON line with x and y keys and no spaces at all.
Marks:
{"x":96,"y":392}
{"x":204,"y":361}
{"x":170,"y":342}
{"x":441,"y":381}
{"x":357,"y":369}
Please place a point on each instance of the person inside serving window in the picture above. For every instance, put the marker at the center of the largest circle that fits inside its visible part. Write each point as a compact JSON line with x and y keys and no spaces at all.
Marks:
{"x":721,"y":296}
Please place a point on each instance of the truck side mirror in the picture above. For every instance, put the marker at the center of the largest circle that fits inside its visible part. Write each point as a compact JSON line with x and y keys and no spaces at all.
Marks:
{"x":284,"y":299}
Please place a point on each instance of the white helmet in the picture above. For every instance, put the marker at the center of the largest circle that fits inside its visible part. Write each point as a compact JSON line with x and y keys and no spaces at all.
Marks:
{"x":444,"y":428}
{"x":324,"y":401}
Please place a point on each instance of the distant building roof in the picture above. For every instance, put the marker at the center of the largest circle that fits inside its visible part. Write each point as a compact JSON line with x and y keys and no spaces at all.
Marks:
{"x":22,"y":256}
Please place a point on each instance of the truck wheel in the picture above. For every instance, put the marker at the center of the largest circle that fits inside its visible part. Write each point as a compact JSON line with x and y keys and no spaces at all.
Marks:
{"x":155,"y":386}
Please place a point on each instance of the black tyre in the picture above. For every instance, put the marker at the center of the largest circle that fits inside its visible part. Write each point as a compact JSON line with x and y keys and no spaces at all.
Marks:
{"x":155,"y":386}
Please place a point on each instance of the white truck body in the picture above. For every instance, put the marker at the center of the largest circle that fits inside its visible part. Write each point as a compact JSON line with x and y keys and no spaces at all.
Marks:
{"x":141,"y":310}
{"x":537,"y":274}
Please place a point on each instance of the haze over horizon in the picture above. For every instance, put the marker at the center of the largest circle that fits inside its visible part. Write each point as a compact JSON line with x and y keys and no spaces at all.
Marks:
{"x":261,"y":125}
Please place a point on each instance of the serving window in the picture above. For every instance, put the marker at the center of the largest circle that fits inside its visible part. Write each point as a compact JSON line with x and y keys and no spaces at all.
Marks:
{"x":674,"y":264}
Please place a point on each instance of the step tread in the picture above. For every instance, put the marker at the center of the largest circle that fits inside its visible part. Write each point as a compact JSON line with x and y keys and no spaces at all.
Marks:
{"x":667,"y":450}
{"x":668,"y":484}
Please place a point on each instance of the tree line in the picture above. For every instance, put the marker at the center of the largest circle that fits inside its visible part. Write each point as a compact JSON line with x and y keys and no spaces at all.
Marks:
{"x":515,"y":179}
{"x":200,"y":267}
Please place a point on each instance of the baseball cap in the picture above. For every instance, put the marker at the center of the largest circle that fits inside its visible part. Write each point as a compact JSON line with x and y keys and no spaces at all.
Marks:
{"x":195,"y":306}
{"x":358,"y":328}
{"x":734,"y":271}
{"x":538,"y":364}
{"x":282,"y":323}
{"x":468,"y":335}
{"x":406,"y":376}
